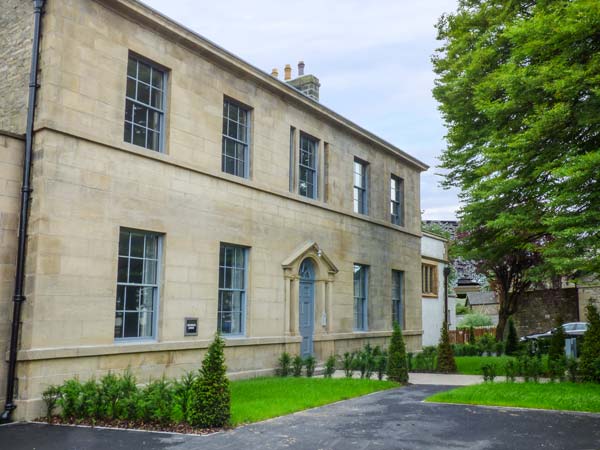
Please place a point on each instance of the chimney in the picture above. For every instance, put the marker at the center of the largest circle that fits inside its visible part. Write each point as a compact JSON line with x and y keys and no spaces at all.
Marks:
{"x":275,"y":72}
{"x":307,"y":84}
{"x":301,"y":68}
{"x":287,"y":72}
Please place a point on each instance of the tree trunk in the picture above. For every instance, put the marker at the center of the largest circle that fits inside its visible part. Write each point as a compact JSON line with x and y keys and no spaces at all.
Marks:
{"x":504,"y":313}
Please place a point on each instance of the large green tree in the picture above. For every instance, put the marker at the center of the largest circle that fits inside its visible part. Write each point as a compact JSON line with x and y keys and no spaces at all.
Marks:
{"x":518,"y":84}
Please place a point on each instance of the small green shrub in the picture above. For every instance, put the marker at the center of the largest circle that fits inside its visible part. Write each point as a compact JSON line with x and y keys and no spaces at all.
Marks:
{"x":475,"y":320}
{"x":486,"y":344}
{"x":471,"y":335}
{"x":70,"y":399}
{"x":182,"y":391}
{"x":465,"y":350}
{"x":381,"y":363}
{"x":557,"y":361}
{"x":283,"y":365}
{"x":489,"y":372}
{"x":499,"y":348}
{"x":309,"y":363}
{"x":330,"y":366}
{"x":424,"y":361}
{"x":156,"y":402}
{"x":348,"y":364}
{"x":51,"y":396}
{"x":210,"y":399}
{"x":511,"y":369}
{"x":297,"y":364}
{"x":397,"y":366}
{"x":573,"y":370}
{"x":462,"y":309}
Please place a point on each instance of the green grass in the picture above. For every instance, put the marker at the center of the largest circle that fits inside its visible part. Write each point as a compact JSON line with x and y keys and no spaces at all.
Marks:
{"x":471,"y":365}
{"x":263,"y":398}
{"x":560,"y":396}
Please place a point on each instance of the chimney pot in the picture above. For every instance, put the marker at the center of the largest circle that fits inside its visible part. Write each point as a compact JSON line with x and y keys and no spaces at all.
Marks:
{"x":287,"y":72}
{"x":275,"y":72}
{"x":301,"y":68}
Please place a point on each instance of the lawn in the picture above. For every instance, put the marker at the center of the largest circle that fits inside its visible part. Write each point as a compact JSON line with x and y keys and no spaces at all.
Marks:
{"x":262,"y":398}
{"x":471,"y":365}
{"x":561,"y":396}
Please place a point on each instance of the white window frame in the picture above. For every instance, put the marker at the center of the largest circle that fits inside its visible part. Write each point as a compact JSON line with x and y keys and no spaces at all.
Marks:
{"x":314,"y":169}
{"x":360,"y":193}
{"x":245,"y":142}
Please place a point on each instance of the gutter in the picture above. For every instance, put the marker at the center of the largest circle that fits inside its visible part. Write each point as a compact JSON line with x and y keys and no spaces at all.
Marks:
{"x":19,"y":297}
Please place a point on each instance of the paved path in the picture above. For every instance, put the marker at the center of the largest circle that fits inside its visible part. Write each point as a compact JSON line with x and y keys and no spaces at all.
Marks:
{"x":389,"y":420}
{"x":438,"y":379}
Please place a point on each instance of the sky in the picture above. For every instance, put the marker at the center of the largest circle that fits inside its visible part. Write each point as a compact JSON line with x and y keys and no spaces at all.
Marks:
{"x":372,"y":57}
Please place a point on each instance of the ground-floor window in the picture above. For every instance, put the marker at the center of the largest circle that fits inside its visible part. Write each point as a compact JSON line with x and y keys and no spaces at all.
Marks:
{"x":233,"y":263}
{"x":137,"y":284}
{"x":398,"y":297}
{"x":360,"y":296}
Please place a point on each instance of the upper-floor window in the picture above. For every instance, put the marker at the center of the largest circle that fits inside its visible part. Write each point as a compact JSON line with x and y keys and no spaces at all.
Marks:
{"x":398,"y":297}
{"x":236,"y":136}
{"x":429,"y":279}
{"x":360,"y":296}
{"x":137,"y":284}
{"x":397,"y":200}
{"x":307,"y":168}
{"x":233,"y":263}
{"x":360,"y":186}
{"x":144,"y":104}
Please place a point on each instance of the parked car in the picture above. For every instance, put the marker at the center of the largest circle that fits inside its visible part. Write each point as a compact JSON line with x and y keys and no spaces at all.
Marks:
{"x":571,"y":329}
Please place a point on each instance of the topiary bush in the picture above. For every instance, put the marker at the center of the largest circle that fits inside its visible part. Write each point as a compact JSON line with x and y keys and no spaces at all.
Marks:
{"x":557,"y":361}
{"x":589,"y":362}
{"x":210,"y":398}
{"x":512,"y":341}
{"x":397,"y":366}
{"x":445,"y":357}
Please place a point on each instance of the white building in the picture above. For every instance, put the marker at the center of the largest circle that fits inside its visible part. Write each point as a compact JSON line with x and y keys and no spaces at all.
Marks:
{"x":434,"y":258}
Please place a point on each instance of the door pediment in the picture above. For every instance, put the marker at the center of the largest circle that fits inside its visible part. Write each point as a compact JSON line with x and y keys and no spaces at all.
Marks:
{"x":310,"y":249}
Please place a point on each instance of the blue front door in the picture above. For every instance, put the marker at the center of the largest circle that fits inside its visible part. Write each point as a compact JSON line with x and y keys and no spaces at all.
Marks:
{"x":307,"y":307}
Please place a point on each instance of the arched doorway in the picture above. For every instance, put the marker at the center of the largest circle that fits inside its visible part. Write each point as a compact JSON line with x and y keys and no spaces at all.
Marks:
{"x":307,"y":306}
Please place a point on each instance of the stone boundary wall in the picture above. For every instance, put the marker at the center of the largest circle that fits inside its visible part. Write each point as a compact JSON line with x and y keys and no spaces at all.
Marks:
{"x":538,"y":310}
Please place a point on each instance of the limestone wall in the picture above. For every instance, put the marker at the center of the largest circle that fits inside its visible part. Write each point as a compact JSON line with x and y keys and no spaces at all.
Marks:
{"x":16,"y":36}
{"x":11,"y":160}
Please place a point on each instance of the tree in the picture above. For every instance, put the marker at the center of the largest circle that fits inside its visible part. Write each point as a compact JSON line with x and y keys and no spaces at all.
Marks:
{"x":512,"y":341}
{"x":397,"y":364}
{"x":210,"y":399}
{"x":445,"y":358}
{"x":589,"y":364}
{"x":517,"y":87}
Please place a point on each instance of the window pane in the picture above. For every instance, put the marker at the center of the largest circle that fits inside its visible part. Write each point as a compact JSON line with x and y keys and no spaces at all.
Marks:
{"x":132,"y":67}
{"x":131,"y":325}
{"x":137,"y":245}
{"x":151,"y":247}
{"x":140,"y":116}
{"x":122,"y":273}
{"x":130,"y":88}
{"x":135,"y":270}
{"x":120,"y":298}
{"x":119,"y":325}
{"x":149,"y":272}
{"x":143,"y":93}
{"x":132,"y":299}
{"x":139,"y":136}
{"x":157,"y":79}
{"x":145,"y":324}
{"x":144,"y":72}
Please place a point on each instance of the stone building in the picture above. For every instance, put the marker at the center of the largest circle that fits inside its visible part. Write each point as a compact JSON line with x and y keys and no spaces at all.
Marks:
{"x":179,"y":191}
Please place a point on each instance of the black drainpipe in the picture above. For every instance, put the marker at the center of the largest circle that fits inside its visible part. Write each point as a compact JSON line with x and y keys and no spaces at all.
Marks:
{"x":19,"y":297}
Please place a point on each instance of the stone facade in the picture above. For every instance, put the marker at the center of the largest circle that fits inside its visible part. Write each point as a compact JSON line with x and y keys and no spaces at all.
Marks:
{"x":16,"y":36}
{"x":89,"y":184}
{"x":11,"y":160}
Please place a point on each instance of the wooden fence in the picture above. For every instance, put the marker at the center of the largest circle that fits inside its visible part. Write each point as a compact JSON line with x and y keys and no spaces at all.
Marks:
{"x":462,"y":336}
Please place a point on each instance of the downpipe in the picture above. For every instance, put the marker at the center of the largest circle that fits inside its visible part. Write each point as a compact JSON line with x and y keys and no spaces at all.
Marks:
{"x":19,"y":295}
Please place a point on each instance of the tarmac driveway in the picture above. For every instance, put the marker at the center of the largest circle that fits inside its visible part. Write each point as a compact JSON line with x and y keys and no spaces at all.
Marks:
{"x":395,"y":419}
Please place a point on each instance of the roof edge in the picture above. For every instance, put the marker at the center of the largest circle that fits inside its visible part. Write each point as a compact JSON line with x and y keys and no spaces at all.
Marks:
{"x":179,"y":33}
